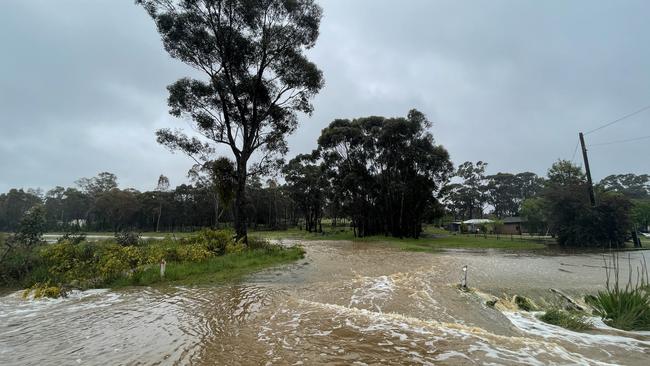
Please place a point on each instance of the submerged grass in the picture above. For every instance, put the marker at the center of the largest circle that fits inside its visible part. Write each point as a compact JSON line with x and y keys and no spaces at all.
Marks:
{"x":565,"y":319}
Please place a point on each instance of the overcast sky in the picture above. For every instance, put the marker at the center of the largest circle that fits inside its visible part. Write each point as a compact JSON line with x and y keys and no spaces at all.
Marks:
{"x":82,"y":83}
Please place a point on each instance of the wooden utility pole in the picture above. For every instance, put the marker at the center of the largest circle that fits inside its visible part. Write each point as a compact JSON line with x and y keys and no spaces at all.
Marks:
{"x":592,"y":198}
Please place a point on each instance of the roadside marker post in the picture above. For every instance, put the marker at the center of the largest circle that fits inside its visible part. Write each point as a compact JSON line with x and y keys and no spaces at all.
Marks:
{"x":163,"y":265}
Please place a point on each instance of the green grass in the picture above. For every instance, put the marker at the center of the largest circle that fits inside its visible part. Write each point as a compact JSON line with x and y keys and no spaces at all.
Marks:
{"x":627,"y":309}
{"x":565,"y":319}
{"x":206,"y":257}
{"x":425,"y":243}
{"x":214,"y":270}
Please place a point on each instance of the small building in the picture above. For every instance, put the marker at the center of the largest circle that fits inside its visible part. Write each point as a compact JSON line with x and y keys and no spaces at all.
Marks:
{"x":471,"y":226}
{"x":513,"y":225}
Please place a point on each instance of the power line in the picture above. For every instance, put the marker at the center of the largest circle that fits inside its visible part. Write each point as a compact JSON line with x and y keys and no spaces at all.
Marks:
{"x":618,"y":120}
{"x":621,"y":141}
{"x":574,"y":152}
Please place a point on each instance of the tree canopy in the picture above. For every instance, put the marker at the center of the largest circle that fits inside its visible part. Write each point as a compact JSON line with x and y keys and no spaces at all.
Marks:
{"x":257,"y":77}
{"x":384,"y":173}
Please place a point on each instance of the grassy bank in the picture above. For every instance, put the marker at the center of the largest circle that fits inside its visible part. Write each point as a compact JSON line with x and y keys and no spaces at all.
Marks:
{"x":430,"y":241}
{"x":214,"y":270}
{"x":205,"y":257}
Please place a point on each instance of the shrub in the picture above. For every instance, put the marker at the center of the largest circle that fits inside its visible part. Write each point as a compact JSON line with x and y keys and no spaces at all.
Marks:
{"x":117,"y":260}
{"x":524,"y":303}
{"x":45,"y":289}
{"x":193,"y":253}
{"x":628,"y":307}
{"x":74,"y":238}
{"x":565,"y":319}
{"x":215,"y":241}
{"x":67,"y":261}
{"x":258,"y":243}
{"x":127,"y":238}
{"x":19,"y":263}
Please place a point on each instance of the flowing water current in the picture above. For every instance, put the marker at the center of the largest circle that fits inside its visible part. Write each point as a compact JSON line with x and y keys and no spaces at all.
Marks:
{"x":344,"y":303}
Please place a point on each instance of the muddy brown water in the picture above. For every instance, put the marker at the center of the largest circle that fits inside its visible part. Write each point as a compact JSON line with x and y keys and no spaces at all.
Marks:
{"x":345,"y":303}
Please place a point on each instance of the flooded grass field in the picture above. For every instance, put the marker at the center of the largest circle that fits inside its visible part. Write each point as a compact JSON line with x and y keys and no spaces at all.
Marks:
{"x":345,"y":303}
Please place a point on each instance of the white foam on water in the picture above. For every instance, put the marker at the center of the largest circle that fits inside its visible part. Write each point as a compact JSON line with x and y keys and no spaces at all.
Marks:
{"x":372,"y":290}
{"x":480,"y":344}
{"x":529,"y":323}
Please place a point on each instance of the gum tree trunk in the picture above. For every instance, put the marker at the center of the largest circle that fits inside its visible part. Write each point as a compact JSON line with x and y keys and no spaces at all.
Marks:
{"x":240,"y":203}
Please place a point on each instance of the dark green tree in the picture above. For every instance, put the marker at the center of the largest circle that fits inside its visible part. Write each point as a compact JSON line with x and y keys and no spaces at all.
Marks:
{"x":257,"y":78}
{"x":572,"y":218}
{"x":32,"y":227}
{"x":631,"y":185}
{"x":386,"y":172}
{"x":307,"y":186}
{"x":565,"y":173}
{"x":467,"y":199}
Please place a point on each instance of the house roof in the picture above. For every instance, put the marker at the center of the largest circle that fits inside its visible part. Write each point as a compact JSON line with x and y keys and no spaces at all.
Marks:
{"x":476,"y":221}
{"x":513,"y":220}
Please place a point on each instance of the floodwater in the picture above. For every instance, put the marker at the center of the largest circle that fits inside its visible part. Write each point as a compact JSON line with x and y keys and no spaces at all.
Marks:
{"x":345,"y":303}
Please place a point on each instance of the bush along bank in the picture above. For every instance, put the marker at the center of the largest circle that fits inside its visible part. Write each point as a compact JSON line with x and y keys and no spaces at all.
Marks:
{"x":73,"y":263}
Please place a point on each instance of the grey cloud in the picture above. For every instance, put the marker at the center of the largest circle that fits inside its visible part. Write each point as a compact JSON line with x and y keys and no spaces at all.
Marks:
{"x":82,"y":83}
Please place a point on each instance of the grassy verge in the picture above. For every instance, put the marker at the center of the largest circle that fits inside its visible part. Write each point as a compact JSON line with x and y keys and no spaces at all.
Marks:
{"x":214,"y":270}
{"x":208,"y":256}
{"x":428,"y":242}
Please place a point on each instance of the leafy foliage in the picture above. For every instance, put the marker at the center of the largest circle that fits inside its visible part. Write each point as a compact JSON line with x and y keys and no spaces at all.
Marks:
{"x":307,"y":186}
{"x":631,"y":185}
{"x":571,"y":217}
{"x":383,"y":172}
{"x":95,"y":264}
{"x":533,"y":210}
{"x":624,"y":307}
{"x":31,"y":227}
{"x":127,"y":238}
{"x":565,"y":319}
{"x":258,"y":78}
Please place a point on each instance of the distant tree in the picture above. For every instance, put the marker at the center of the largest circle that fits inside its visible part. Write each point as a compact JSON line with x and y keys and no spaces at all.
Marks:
{"x":565,"y":173}
{"x":506,"y":192}
{"x":220,"y":176}
{"x":533,"y":211}
{"x":13,"y":206}
{"x":116,"y":209}
{"x":258,"y":78}
{"x":76,"y":206}
{"x":641,"y":214}
{"x":103,"y":182}
{"x":307,"y":184}
{"x":161,"y":188}
{"x":468,"y":197}
{"x":631,"y":185}
{"x":54,"y":206}
{"x":502,"y":191}
{"x":530,"y":185}
{"x":32,"y":227}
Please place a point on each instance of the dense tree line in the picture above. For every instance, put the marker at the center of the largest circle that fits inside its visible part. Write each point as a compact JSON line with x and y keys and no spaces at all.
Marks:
{"x":99,"y":204}
{"x":475,"y":195}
